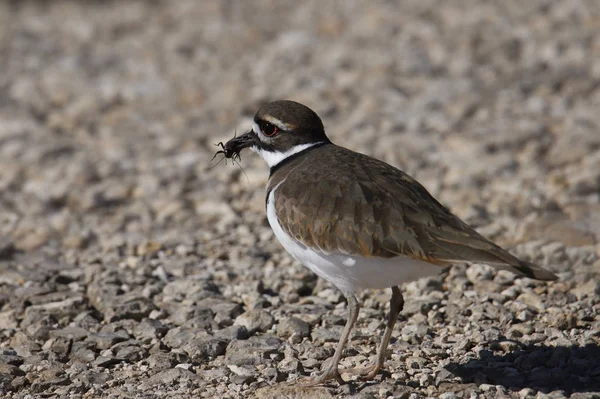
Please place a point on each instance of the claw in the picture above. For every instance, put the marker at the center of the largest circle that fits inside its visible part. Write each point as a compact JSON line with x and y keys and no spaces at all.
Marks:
{"x":365,"y":373}
{"x":330,"y":374}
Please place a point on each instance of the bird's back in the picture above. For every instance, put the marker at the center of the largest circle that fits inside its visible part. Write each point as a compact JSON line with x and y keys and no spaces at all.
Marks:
{"x":360,"y":206}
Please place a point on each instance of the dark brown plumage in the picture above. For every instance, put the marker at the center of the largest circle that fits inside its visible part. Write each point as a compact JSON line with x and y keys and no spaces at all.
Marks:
{"x":370,"y":208}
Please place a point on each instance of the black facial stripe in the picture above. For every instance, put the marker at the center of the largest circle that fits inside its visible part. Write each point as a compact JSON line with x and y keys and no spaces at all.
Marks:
{"x":261,"y":145}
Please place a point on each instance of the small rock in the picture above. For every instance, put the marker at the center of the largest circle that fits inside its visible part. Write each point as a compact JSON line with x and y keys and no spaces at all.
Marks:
{"x":290,"y":366}
{"x":18,"y":383}
{"x":505,"y":346}
{"x":526,"y":393}
{"x":130,"y":353}
{"x":83,"y":351}
{"x":242,"y":375}
{"x":177,"y":337}
{"x":282,"y":391}
{"x":255,"y":320}
{"x":74,"y":333}
{"x":149,"y":329}
{"x":103,"y":361}
{"x":129,"y":308}
{"x":232,"y":332}
{"x":105,"y":340}
{"x":168,"y":377}
{"x":8,"y":319}
{"x":414,"y":333}
{"x":23,"y":345}
{"x":224,"y":311}
{"x":532,"y":300}
{"x":164,"y":360}
{"x":562,"y":321}
{"x":321,"y":335}
{"x":415,"y":362}
{"x":521,"y":329}
{"x":203,"y":348}
{"x":293,"y":328}
{"x":61,"y":346}
{"x":525,"y":315}
{"x":193,"y":316}
{"x":9,"y":356}
{"x":10,"y":369}
{"x":253,"y":351}
{"x":592,"y":287}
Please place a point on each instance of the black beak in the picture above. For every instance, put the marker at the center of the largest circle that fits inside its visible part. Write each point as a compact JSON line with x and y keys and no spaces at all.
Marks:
{"x":234,"y":146}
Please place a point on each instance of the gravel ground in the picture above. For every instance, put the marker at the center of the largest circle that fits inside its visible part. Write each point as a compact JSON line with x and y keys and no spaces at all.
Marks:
{"x":131,"y":268}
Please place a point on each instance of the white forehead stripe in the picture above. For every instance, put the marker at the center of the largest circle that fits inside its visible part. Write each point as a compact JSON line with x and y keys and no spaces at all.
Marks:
{"x":273,"y":121}
{"x":274,"y":157}
{"x":256,"y":129}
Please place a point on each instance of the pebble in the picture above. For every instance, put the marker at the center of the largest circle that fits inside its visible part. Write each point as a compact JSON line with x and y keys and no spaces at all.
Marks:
{"x":253,"y":351}
{"x":294,"y":329}
{"x":255,"y":320}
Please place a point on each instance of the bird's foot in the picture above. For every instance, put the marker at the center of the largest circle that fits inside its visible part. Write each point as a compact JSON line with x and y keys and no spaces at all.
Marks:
{"x":331,"y":373}
{"x":365,"y":373}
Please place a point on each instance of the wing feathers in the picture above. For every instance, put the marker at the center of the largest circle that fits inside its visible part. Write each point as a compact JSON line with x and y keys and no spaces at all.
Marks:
{"x":370,"y":208}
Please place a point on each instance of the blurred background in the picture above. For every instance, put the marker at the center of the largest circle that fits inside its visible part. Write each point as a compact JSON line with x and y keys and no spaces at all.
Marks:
{"x":109,"y":112}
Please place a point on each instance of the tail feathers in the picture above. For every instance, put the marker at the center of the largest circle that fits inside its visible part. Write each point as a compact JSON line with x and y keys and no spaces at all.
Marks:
{"x":513,"y":264}
{"x":483,"y":251}
{"x":534,"y":271}
{"x":471,"y":247}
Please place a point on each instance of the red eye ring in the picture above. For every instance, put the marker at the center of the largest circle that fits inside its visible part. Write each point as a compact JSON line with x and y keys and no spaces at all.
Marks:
{"x":268,"y":129}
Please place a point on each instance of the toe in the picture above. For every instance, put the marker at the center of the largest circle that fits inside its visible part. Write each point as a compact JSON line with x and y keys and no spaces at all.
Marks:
{"x":366,"y":373}
{"x":328,"y":375}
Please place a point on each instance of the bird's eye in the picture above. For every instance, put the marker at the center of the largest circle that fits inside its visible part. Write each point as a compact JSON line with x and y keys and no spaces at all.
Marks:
{"x":268,"y":129}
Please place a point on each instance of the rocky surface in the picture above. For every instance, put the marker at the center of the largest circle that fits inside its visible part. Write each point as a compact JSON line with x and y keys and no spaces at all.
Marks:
{"x":131,"y":267}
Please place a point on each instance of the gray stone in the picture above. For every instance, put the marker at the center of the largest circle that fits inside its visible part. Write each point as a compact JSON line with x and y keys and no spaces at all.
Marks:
{"x":255,"y":320}
{"x":168,"y":377}
{"x":9,"y":369}
{"x":130,"y":353}
{"x":321,"y":335}
{"x":232,"y":332}
{"x":74,"y":333}
{"x":415,"y":333}
{"x":130,"y":308}
{"x":193,"y":316}
{"x":149,"y":329}
{"x":591,"y":287}
{"x":253,"y":351}
{"x":177,"y":337}
{"x":105,"y":340}
{"x":242,"y":375}
{"x":104,"y":361}
{"x":61,"y":346}
{"x":203,"y":348}
{"x":293,"y":328}
{"x":290,"y":366}
{"x":164,"y":360}
{"x":288,"y":392}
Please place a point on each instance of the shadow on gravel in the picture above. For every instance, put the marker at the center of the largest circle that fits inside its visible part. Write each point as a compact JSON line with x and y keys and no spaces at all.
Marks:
{"x":543,"y":368}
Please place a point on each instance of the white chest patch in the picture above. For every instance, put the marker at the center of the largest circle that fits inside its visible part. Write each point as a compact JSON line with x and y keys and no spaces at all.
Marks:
{"x":347,"y":272}
{"x":274,"y":157}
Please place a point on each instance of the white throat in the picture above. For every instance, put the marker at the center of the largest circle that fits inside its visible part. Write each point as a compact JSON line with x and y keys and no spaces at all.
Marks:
{"x":274,"y":157}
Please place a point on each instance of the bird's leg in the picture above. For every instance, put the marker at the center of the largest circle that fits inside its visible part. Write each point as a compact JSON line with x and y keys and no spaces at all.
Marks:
{"x":331,"y":371}
{"x":396,"y":305}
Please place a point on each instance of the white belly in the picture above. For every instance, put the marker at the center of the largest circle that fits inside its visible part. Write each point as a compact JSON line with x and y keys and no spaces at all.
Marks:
{"x":350,"y":273}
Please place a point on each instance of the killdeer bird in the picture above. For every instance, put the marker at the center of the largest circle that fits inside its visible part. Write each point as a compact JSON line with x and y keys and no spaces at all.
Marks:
{"x":357,"y":221}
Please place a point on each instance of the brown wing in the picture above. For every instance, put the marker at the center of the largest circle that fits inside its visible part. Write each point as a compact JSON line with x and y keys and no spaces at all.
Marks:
{"x":370,"y":208}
